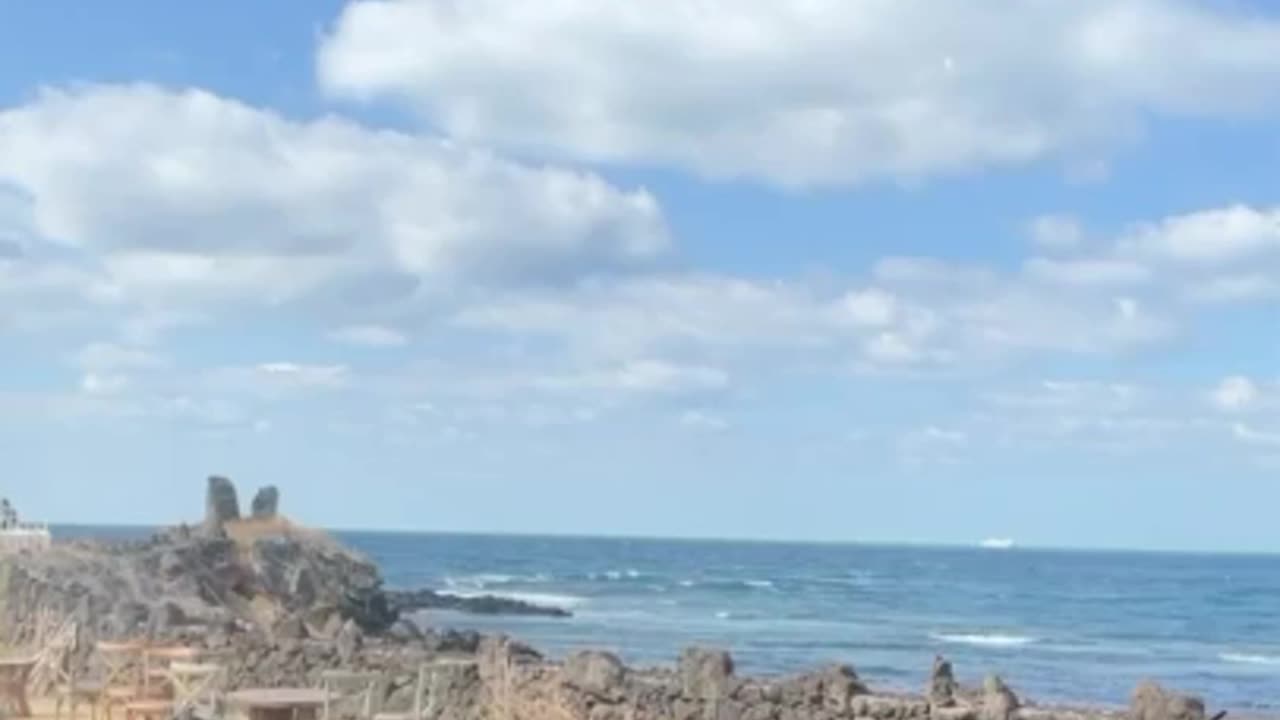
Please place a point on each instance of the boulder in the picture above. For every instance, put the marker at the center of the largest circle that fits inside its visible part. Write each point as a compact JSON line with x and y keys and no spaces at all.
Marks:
{"x":290,"y":628}
{"x":835,"y":688}
{"x":998,"y":701}
{"x":222,"y":505}
{"x":266,"y":504}
{"x":1152,"y":702}
{"x":599,"y":674}
{"x":942,"y":687}
{"x":705,"y":674}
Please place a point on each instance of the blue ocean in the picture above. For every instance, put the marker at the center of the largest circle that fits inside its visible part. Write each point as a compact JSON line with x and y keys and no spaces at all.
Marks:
{"x":1058,"y":625}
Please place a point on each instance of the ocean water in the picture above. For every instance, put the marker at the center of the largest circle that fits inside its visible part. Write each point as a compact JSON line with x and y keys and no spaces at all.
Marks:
{"x":1070,"y":626}
{"x":1057,"y":625}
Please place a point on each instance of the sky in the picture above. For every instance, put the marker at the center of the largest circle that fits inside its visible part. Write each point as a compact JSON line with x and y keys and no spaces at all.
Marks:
{"x":885,"y":270}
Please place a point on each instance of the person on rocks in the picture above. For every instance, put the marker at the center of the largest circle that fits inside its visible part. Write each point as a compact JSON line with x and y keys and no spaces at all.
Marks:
{"x":8,"y":516}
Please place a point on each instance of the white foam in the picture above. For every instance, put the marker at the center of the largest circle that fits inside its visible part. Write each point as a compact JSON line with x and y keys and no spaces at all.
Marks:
{"x":984,"y":640}
{"x":759,"y":584}
{"x":483,"y":580}
{"x":1250,"y":658}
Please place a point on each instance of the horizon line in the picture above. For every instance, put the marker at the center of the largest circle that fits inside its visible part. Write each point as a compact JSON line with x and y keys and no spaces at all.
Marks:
{"x":903,"y":544}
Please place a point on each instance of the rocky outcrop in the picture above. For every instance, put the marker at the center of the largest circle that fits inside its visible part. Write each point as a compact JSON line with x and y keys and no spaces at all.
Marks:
{"x":998,"y":701}
{"x":942,"y":688}
{"x":1152,"y":702}
{"x":182,"y":578}
{"x":705,"y":673}
{"x":406,"y":601}
{"x":266,"y":504}
{"x":280,"y":605}
{"x":222,"y":504}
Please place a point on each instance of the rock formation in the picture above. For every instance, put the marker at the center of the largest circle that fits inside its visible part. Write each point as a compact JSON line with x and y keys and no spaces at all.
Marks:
{"x":1152,"y":702}
{"x":281,"y":605}
{"x":998,"y":701}
{"x":942,"y":688}
{"x":222,"y":505}
{"x":266,"y":504}
{"x":406,"y":601}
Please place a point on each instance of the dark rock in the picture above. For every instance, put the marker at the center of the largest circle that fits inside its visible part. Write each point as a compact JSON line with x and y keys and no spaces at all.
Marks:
{"x":402,"y":602}
{"x":998,"y":701}
{"x":942,"y":688}
{"x":835,"y":688}
{"x":164,"y":618}
{"x":1152,"y":702}
{"x":453,"y":642}
{"x":291,"y":628}
{"x":222,"y":505}
{"x":705,"y":673}
{"x":596,"y":673}
{"x":266,"y":504}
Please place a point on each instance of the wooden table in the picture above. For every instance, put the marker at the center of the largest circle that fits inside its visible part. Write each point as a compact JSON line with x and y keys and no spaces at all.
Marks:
{"x":155,"y":664}
{"x":15,"y":670}
{"x":280,"y":703}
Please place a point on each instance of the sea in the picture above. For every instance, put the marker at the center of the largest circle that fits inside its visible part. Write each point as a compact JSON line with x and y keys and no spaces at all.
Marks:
{"x":1058,"y":626}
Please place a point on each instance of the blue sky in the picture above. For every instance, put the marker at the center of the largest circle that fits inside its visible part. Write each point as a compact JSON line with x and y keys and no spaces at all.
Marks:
{"x":808,"y":270}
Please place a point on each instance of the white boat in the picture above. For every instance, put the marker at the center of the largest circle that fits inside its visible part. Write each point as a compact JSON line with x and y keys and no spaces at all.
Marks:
{"x":997,"y":543}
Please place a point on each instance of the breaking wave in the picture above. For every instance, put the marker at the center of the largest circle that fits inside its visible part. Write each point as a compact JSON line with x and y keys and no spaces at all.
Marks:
{"x":983,"y":640}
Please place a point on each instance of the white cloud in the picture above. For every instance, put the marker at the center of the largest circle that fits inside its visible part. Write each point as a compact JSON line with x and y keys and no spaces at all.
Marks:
{"x":1088,"y":272}
{"x":1069,"y":396}
{"x":703,"y":421}
{"x":188,"y":195}
{"x":1210,"y":237}
{"x":96,"y":384}
{"x":1235,"y":393}
{"x":642,"y":377}
{"x":109,"y":356}
{"x":804,"y":92}
{"x":294,"y":374}
{"x":1253,"y":436}
{"x":1238,"y":288}
{"x":871,"y":307}
{"x":933,"y":445}
{"x":1056,"y":232}
{"x":376,"y":336}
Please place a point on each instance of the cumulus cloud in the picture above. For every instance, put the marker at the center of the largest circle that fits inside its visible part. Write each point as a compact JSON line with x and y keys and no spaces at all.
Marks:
{"x":185,"y":194}
{"x":804,"y":93}
{"x":375,"y":336}
{"x":1235,"y":393}
{"x":1212,"y":237}
{"x":1056,"y":232}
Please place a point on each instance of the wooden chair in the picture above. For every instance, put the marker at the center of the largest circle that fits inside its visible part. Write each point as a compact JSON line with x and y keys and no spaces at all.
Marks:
{"x":73,"y":691}
{"x":122,"y":677}
{"x":197,"y":685}
{"x":343,"y":687}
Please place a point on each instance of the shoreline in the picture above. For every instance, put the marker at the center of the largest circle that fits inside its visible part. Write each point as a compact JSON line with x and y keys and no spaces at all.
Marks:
{"x":285,"y":602}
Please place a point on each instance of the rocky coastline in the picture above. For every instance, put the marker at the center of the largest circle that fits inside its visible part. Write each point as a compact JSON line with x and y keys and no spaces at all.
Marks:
{"x":278,"y":605}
